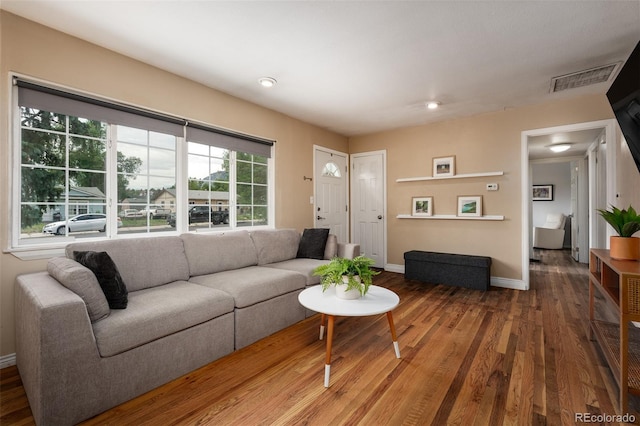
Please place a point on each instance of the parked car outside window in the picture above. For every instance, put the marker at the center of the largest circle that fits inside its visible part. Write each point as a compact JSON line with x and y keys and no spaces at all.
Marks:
{"x":131,"y":213}
{"x":81,"y":222}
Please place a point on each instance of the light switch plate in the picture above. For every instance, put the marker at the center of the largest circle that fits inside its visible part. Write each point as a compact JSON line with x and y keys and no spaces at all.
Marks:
{"x":492,"y":187}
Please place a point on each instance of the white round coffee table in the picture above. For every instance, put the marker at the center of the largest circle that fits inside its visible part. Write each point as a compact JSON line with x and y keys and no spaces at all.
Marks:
{"x":378,"y":300}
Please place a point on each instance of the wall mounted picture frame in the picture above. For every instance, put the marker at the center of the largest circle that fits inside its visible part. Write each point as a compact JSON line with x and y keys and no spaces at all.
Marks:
{"x":542,"y":193}
{"x":444,"y":166}
{"x":422,"y":206}
{"x":470,"y":205}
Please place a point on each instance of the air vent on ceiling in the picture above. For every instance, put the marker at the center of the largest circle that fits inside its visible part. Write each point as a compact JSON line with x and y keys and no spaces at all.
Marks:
{"x":583,"y":78}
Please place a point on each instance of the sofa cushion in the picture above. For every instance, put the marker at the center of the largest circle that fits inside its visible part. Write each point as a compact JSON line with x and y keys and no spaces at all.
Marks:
{"x":302,"y":266}
{"x":275,"y":245}
{"x":157,"y":312}
{"x":331,"y":249}
{"x":82,"y":282}
{"x":107,"y":274}
{"x":142,"y":262}
{"x":313,"y":243}
{"x":211,"y":253}
{"x":253,"y":284}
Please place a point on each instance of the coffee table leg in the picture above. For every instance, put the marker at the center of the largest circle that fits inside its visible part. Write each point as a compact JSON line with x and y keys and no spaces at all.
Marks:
{"x":327,"y":362}
{"x":322,"y":326}
{"x":392,"y":327}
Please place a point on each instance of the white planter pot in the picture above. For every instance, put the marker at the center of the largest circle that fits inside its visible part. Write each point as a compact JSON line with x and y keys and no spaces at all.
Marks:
{"x":343,"y":293}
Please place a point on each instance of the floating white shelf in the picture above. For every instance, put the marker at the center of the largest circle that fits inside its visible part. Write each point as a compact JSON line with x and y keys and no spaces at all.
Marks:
{"x":462,"y":176}
{"x":451,"y":216}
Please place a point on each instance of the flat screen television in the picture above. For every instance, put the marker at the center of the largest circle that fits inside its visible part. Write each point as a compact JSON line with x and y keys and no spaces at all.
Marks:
{"x":624,"y":97}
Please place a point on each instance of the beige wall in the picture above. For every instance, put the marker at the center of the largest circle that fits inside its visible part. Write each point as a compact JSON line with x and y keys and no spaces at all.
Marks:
{"x":33,"y":50}
{"x":627,"y":178}
{"x":483,"y":143}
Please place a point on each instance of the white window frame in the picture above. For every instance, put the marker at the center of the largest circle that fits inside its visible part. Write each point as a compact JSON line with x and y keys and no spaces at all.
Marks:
{"x":25,"y":250}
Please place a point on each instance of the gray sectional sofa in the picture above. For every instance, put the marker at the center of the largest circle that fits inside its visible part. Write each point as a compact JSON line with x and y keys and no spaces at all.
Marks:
{"x":191,"y":299}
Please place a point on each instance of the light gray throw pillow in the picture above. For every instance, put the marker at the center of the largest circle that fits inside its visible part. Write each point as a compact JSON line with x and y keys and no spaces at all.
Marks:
{"x":81,"y":281}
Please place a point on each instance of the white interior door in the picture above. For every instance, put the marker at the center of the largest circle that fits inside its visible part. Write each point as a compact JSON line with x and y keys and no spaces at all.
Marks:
{"x":368,"y":204}
{"x":331,"y":202}
{"x":575,"y":212}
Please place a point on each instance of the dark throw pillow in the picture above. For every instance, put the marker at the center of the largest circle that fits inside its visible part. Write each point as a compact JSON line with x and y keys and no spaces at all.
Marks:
{"x":107,"y":275}
{"x":312,"y":243}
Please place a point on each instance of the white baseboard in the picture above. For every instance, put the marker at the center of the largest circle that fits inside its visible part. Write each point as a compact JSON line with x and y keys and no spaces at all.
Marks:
{"x":7,"y":360}
{"x":508,"y":283}
{"x":495,"y":281}
{"x":394,"y":268}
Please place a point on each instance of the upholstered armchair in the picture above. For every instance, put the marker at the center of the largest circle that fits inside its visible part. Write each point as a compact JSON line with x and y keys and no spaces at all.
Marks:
{"x":551,"y":234}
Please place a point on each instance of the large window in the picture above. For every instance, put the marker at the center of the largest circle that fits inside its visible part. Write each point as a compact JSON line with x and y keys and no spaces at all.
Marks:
{"x":89,"y":169}
{"x":63,"y":171}
{"x":146,"y":169}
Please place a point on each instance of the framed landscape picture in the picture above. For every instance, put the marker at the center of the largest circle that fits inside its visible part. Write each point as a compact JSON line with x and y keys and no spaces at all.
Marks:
{"x":422,"y":206}
{"x":444,"y":166}
{"x":470,"y":206}
{"x":542,"y":193}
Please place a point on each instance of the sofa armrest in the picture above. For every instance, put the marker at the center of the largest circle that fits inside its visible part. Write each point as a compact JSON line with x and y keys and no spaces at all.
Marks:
{"x":348,"y":250}
{"x":54,"y":339}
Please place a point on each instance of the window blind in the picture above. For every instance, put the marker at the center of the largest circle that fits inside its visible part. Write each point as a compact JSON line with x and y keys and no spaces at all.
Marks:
{"x":33,"y":95}
{"x":48,"y":99}
{"x":229,"y":140}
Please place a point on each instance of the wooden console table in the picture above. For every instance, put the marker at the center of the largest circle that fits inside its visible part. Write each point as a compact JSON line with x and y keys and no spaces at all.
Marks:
{"x":618,"y":281}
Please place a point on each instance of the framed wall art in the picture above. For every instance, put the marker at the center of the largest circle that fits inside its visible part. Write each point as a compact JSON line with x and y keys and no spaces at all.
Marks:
{"x":542,"y":193}
{"x":422,"y":206}
{"x":444,"y":166}
{"x":470,"y":205}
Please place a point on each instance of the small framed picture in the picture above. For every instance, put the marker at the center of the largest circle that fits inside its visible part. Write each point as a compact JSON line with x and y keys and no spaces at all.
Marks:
{"x":470,"y":205}
{"x":422,"y":206}
{"x":444,"y":166}
{"x":542,"y":193}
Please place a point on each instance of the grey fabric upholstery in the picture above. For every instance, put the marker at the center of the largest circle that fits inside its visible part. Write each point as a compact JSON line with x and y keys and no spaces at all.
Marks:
{"x":81,"y":281}
{"x":331,"y":250}
{"x":192,"y":300}
{"x":157,"y":312}
{"x":254,"y":284}
{"x":262,"y":319}
{"x":275,"y":245}
{"x":302,"y":266}
{"x":207,"y":254}
{"x":142,"y":262}
{"x":65,"y":378}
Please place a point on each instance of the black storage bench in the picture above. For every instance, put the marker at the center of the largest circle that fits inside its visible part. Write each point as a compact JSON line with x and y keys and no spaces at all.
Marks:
{"x":459,"y":270}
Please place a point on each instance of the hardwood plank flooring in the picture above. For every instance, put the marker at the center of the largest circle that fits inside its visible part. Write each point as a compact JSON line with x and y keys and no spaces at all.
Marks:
{"x":501,"y":357}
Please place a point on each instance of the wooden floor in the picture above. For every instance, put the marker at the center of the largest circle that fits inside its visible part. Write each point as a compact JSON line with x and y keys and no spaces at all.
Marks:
{"x":468,"y":357}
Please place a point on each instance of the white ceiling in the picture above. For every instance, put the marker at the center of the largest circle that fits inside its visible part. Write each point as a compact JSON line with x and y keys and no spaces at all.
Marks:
{"x":358,"y":67}
{"x":579,"y":141}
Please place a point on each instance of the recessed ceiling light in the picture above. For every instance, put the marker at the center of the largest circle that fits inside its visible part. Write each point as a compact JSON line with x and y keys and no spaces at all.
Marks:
{"x":559,"y":147}
{"x":433,"y":105}
{"x":267,"y":81}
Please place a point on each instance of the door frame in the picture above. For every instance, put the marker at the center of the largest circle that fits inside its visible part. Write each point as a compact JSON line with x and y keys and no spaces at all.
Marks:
{"x":383,"y":153}
{"x":609,"y":126}
{"x":347,"y":183}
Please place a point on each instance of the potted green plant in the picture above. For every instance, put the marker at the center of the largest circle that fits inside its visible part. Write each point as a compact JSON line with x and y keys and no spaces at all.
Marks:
{"x":625,"y":223}
{"x":352,"y":277}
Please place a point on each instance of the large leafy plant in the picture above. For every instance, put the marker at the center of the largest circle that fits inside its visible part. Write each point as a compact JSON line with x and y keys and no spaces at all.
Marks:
{"x":332,"y":273}
{"x":624,"y":222}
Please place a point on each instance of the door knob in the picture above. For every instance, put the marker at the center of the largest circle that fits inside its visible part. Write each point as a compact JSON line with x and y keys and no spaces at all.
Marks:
{"x":379,"y":216}
{"x":321,"y":218}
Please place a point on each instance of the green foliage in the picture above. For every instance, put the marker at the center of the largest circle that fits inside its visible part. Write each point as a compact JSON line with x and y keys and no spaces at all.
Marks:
{"x":47,"y":149}
{"x":624,"y":222}
{"x":332,"y":273}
